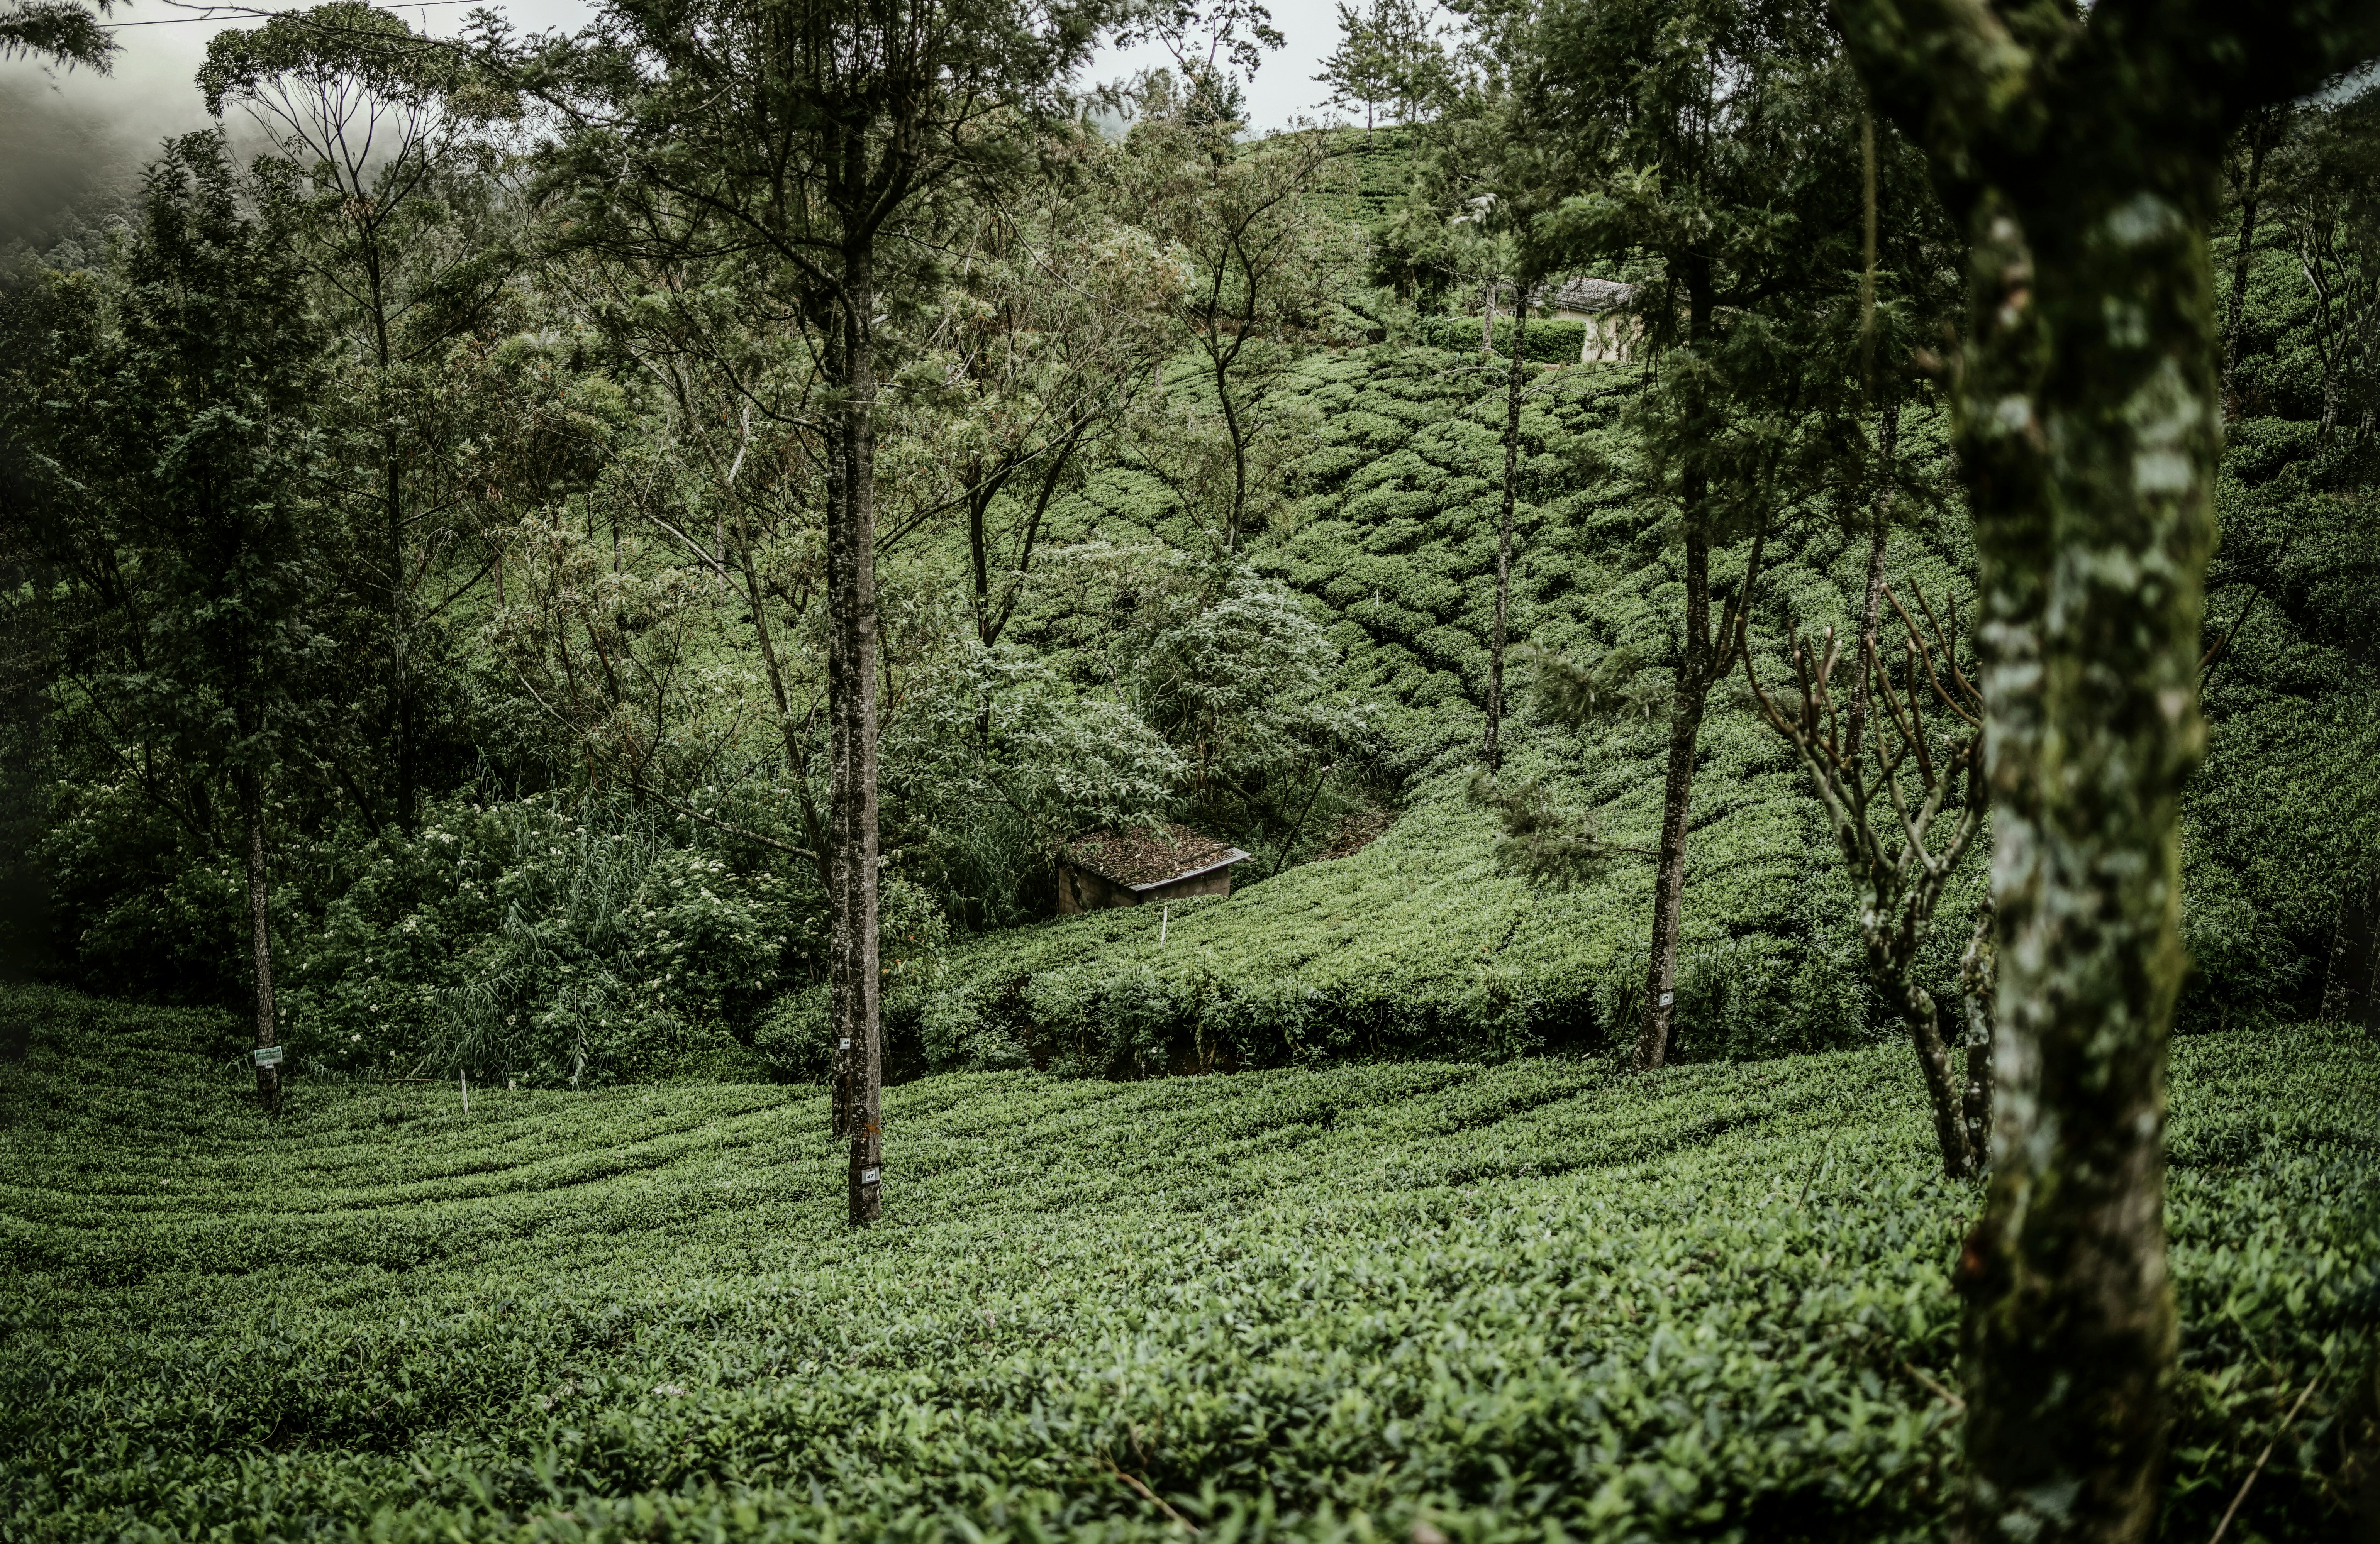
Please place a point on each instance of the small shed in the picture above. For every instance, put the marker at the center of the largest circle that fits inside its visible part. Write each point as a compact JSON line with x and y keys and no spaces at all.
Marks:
{"x":1138,"y":864}
{"x":1615,"y":329}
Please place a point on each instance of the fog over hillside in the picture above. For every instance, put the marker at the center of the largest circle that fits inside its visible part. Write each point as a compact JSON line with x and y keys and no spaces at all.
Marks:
{"x":77,"y":140}
{"x":71,"y":166}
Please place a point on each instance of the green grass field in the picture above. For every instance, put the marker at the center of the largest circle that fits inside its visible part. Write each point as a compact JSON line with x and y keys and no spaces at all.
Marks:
{"x":1539,"y":1299}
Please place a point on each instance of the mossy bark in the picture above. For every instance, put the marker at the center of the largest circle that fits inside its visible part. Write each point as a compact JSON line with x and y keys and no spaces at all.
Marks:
{"x":1704,"y":660}
{"x":259,"y":920}
{"x":2090,"y":431}
{"x":2079,"y":150}
{"x":1676,"y":804}
{"x":852,"y":984}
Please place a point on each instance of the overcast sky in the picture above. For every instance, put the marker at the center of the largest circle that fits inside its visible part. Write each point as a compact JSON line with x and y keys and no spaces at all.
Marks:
{"x":74,"y":140}
{"x":149,"y":92}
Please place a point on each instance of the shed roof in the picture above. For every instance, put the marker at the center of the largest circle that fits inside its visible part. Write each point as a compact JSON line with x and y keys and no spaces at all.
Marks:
{"x":1580,"y":295}
{"x":1141,"y":858}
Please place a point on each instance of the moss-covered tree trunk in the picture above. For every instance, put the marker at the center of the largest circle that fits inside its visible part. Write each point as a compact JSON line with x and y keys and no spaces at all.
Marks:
{"x":2090,"y":427}
{"x":1677,"y":803}
{"x":2079,"y":150}
{"x":852,"y":980}
{"x":259,"y":934}
{"x":1705,"y":659}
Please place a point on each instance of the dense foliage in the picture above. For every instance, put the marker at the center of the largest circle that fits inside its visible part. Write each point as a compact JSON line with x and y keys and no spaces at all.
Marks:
{"x":1190,"y":477}
{"x":601,"y":579}
{"x":1333,"y":1303}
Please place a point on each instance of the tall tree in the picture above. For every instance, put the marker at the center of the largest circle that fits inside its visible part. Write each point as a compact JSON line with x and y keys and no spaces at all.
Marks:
{"x":813,"y":134}
{"x":2079,"y":151}
{"x":1357,"y":70}
{"x":167,"y":458}
{"x":376,"y":123}
{"x":1693,"y":126}
{"x":1057,"y":323}
{"x":2264,"y":127}
{"x":2324,"y":199}
{"x":1266,"y":264}
{"x":1389,"y":59}
{"x":1491,"y":745}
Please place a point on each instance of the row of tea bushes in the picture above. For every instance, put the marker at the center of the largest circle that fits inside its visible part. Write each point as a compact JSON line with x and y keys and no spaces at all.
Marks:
{"x":1532,"y":1301}
{"x":1418,"y":945}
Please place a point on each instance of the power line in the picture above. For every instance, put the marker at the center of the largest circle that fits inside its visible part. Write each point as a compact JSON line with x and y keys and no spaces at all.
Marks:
{"x":237,"y":13}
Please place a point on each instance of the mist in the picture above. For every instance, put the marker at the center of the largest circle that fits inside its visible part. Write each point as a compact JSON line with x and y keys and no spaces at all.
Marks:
{"x":78,"y":140}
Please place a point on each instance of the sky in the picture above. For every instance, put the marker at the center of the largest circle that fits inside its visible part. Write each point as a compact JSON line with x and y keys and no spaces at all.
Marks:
{"x":70,"y":133}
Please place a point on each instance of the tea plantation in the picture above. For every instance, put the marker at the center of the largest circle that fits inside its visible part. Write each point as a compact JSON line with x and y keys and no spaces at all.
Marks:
{"x":1421,"y":944}
{"x":1538,"y":1299}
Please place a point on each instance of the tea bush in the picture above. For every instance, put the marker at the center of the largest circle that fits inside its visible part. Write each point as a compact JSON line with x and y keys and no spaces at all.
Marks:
{"x":1548,"y":341}
{"x":1415,"y":946}
{"x":1528,"y":1301}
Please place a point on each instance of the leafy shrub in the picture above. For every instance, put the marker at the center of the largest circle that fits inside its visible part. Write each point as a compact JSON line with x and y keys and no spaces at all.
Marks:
{"x":912,"y":931}
{"x":521,"y":940}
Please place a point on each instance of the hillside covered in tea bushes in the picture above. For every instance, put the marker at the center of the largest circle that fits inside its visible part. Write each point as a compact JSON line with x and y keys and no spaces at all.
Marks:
{"x":1544,"y":1298}
{"x":1422,"y":942}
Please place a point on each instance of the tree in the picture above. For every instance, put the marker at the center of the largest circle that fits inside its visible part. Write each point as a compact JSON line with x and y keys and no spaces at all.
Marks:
{"x":812,"y":135}
{"x":1906,"y":307}
{"x":1212,"y":45}
{"x":1387,"y":57}
{"x":1061,"y":314}
{"x":2264,"y":125}
{"x":2323,"y":197}
{"x":1902,"y":814}
{"x":375,"y":123}
{"x":1481,"y":185}
{"x":166,"y":459}
{"x":60,"y":31}
{"x":1265,"y":266}
{"x":1491,"y":745}
{"x":1357,"y":71}
{"x":1693,"y":127}
{"x":2079,"y":152}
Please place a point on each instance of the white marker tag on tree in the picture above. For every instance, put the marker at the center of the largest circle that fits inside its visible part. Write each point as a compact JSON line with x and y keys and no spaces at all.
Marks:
{"x":1668,"y":998}
{"x":872,"y":1177}
{"x":843,"y":1045}
{"x":268,"y":1055}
